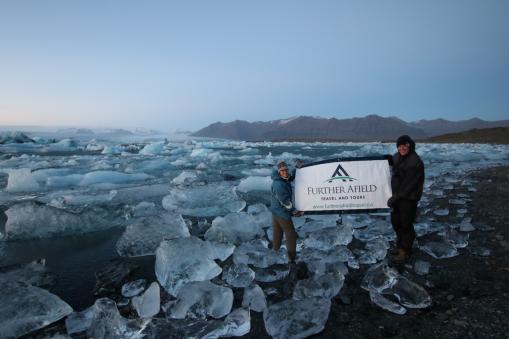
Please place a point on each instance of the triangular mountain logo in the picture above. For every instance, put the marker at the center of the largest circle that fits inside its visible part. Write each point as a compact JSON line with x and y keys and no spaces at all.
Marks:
{"x":340,"y":174}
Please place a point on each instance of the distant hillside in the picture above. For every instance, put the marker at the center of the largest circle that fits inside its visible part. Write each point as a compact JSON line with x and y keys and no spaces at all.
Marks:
{"x":497,"y":135}
{"x":440,"y":126}
{"x":369,"y":128}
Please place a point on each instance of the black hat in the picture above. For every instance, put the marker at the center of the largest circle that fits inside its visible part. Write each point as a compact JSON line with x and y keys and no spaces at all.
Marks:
{"x":403,"y":140}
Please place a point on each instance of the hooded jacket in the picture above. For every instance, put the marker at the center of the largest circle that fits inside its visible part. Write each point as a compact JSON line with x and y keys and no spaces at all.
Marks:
{"x":281,"y":204}
{"x":408,"y":173}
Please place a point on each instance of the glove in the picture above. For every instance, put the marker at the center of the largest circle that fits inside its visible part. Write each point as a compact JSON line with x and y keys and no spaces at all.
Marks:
{"x":298,"y":163}
{"x":297,"y":214}
{"x":392,"y":200}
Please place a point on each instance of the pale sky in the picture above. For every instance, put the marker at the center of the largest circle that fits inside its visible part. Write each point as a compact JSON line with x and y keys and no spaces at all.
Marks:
{"x":185,"y":64}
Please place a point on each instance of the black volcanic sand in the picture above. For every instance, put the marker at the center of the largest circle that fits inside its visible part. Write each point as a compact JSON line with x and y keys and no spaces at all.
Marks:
{"x":470,"y":293}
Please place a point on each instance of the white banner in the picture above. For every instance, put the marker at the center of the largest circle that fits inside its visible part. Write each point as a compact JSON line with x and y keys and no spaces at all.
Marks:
{"x":343,"y":185}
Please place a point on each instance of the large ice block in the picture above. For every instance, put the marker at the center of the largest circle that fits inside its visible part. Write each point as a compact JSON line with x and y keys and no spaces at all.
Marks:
{"x":234,"y":228}
{"x":200,"y":299}
{"x":183,"y":260}
{"x":323,"y":286}
{"x":257,"y":253}
{"x":204,"y":201}
{"x":149,"y":303}
{"x":29,"y":220}
{"x":296,"y":318}
{"x":143,"y":236}
{"x":25,"y":308}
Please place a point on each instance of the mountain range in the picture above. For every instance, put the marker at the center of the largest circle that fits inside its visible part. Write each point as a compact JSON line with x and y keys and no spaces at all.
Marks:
{"x":369,"y":128}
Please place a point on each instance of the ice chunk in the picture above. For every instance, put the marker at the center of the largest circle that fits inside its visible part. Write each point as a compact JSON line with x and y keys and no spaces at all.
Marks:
{"x":379,"y":277}
{"x":154,"y":148}
{"x":21,"y":180}
{"x":356,"y":220}
{"x":421,"y":267}
{"x":14,"y":137}
{"x":409,"y":294}
{"x":133,"y":288}
{"x":329,"y":237}
{"x":149,"y":303}
{"x":254,"y":298}
{"x":202,"y":299}
{"x":144,"y":235}
{"x":466,"y":225}
{"x":326,"y":261}
{"x":385,"y":303}
{"x":80,"y":321}
{"x":324,"y":286}
{"x":29,"y":220}
{"x":376,"y":250}
{"x":439,"y":249}
{"x":111,"y":177}
{"x":238,"y":275}
{"x":457,"y":239}
{"x":26,"y":308}
{"x":423,"y":228}
{"x":108,"y":323}
{"x":261,"y":215}
{"x":480,"y":251}
{"x":183,"y":260}
{"x":271,"y":274}
{"x":257,"y":253}
{"x":296,"y":318}
{"x":234,"y":228}
{"x":441,"y":212}
{"x":204,"y":201}
{"x":457,"y":201}
{"x":255,"y":184}
{"x":237,"y":323}
{"x":185,"y":178}
{"x":379,"y":228}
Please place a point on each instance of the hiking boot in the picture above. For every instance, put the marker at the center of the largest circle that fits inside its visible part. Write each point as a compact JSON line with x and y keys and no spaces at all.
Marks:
{"x":401,"y":257}
{"x":394,"y":250}
{"x":292,"y":267}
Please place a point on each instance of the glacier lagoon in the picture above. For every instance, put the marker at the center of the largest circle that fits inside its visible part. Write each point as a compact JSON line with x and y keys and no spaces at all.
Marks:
{"x":79,"y":203}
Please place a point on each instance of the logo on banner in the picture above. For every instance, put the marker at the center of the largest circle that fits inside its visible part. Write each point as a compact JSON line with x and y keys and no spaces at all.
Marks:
{"x":340,"y":174}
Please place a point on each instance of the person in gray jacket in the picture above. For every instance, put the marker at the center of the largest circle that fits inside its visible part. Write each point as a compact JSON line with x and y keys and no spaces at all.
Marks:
{"x":282,"y":210}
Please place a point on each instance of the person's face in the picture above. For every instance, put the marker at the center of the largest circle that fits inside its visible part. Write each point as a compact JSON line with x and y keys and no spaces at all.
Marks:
{"x":283,"y":173}
{"x":403,"y":149}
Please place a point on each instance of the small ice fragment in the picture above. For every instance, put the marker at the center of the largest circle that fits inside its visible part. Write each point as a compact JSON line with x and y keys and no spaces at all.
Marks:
{"x":421,"y":267}
{"x":254,"y":298}
{"x":133,"y":288}
{"x":149,"y":303}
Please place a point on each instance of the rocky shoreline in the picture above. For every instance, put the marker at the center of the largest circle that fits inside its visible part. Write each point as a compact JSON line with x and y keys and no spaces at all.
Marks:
{"x":469,"y":292}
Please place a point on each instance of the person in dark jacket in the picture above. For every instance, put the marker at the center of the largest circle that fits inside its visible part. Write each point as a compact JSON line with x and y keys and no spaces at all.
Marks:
{"x":407,"y":184}
{"x":282,"y":210}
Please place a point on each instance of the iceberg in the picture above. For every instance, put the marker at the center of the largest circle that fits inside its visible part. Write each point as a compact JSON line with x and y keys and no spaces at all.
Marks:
{"x":254,"y":298}
{"x":201,"y":299}
{"x":329,"y":237}
{"x":261,"y":215}
{"x":296,"y":318}
{"x":204,"y":201}
{"x":324,"y":286}
{"x":238,"y":275}
{"x":149,"y":303}
{"x":234,"y":228}
{"x":257,"y":253}
{"x":26,"y":308}
{"x":133,"y":288}
{"x":28,"y":220}
{"x":183,"y":260}
{"x":439,"y":249}
{"x":143,"y":236}
{"x":22,"y":180}
{"x":255,"y":183}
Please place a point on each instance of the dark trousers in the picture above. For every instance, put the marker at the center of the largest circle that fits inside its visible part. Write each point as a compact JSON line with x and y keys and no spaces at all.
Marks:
{"x":402,"y":219}
{"x":280,"y":226}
